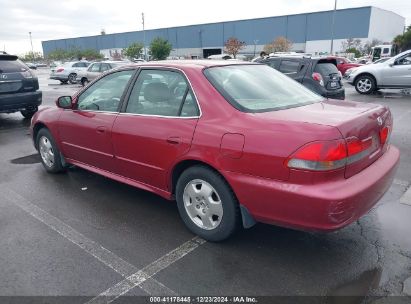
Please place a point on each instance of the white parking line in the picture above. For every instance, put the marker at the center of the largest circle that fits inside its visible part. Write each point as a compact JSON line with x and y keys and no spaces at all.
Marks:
{"x":400,"y":182}
{"x":141,"y":276}
{"x":108,"y":258}
{"x":406,"y":198}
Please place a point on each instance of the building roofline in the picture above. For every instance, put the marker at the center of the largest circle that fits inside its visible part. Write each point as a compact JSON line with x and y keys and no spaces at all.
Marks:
{"x":219,"y":22}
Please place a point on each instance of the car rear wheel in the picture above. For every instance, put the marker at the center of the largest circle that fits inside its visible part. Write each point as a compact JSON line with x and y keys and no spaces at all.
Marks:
{"x":72,"y":78}
{"x":28,"y":113}
{"x":84,"y":82}
{"x":49,"y":153}
{"x":206,"y":204}
{"x":365,"y":84}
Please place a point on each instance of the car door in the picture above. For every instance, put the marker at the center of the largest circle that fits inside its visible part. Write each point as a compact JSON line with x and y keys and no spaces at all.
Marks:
{"x":399,"y":73}
{"x":291,"y":68}
{"x":85,"y":132}
{"x":93,"y":71}
{"x":155,"y":126}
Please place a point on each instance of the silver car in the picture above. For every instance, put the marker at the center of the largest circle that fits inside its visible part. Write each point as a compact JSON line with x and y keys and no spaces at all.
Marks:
{"x":68,"y":71}
{"x":97,"y":68}
{"x":395,"y":73}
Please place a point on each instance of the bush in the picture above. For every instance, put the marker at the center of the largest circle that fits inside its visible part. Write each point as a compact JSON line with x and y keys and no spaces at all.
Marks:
{"x":160,"y":48}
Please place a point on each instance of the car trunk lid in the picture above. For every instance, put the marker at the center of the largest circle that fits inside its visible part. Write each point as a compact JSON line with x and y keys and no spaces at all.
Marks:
{"x":327,"y":68}
{"x":353,"y":120}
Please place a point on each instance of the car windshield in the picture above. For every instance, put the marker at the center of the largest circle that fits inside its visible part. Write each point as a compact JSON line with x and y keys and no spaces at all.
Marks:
{"x":258,"y":88}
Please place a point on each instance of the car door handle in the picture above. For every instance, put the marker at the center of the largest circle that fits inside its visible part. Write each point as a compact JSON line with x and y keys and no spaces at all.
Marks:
{"x":101,"y":130}
{"x":174,"y":140}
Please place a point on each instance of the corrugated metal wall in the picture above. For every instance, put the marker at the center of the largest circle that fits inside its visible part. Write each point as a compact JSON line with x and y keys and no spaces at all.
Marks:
{"x":297,"y":28}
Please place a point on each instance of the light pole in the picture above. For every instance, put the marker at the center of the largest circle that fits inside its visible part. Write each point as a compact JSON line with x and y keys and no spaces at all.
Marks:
{"x":255,"y":45}
{"x":31,"y":42}
{"x":332,"y":28}
{"x":144,"y":38}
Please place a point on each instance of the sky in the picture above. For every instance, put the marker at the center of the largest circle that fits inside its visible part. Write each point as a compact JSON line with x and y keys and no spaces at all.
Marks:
{"x":56,"y":19}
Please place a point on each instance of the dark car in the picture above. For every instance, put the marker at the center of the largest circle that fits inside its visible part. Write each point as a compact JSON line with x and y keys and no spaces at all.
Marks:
{"x":18,"y":87}
{"x":320,"y":75}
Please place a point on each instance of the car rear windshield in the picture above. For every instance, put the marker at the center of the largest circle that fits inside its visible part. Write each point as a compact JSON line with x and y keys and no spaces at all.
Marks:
{"x":11,"y":66}
{"x":325,"y":68}
{"x":258,"y":88}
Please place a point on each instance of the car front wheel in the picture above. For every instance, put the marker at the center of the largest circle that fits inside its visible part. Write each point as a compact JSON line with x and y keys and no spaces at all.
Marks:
{"x":72,"y":78}
{"x":49,"y":153}
{"x":84,"y":82}
{"x":365,"y":84}
{"x":206,"y":204}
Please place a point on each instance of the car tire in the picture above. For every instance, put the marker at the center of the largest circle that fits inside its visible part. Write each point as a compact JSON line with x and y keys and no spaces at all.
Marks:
{"x":72,"y":78}
{"x":49,"y":153}
{"x":84,"y":82}
{"x":28,"y":113}
{"x":365,"y":84}
{"x":207,"y":205}
{"x":63,"y":81}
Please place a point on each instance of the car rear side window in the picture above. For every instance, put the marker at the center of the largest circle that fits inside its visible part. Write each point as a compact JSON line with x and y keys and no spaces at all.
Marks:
{"x":258,"y":88}
{"x":12,"y":66}
{"x":274,"y":64}
{"x":162,"y":93}
{"x":289,"y":67}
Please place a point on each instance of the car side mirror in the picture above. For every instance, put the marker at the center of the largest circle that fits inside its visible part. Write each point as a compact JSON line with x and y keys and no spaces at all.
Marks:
{"x":64,"y":102}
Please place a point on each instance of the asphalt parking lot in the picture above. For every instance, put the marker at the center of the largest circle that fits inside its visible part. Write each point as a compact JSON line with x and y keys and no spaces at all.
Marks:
{"x":80,"y":234}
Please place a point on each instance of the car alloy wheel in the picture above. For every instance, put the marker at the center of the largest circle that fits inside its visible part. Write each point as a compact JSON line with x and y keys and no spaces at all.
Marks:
{"x":72,"y":78}
{"x":49,"y":153}
{"x":203,"y":204}
{"x":46,"y":151}
{"x":365,"y":84}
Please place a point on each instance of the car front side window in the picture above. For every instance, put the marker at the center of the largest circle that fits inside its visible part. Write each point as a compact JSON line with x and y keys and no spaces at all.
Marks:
{"x":105,"y":94}
{"x":162,"y":93}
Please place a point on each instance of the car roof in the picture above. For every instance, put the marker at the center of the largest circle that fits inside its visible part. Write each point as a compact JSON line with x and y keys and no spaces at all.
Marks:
{"x":8,"y":57}
{"x":188,"y":64}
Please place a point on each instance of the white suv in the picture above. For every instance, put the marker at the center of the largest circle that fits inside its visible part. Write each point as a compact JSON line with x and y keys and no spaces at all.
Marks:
{"x":395,"y":73}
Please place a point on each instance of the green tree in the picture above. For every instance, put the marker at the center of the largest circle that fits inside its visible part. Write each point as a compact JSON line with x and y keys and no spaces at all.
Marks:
{"x":353,"y":50}
{"x":133,"y":50}
{"x":160,"y":48}
{"x":404,"y":41}
{"x":58,"y":54}
{"x":32,"y":57}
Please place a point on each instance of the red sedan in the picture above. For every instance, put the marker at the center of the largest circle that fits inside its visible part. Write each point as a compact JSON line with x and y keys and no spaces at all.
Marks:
{"x":343,"y":64}
{"x":232,"y":143}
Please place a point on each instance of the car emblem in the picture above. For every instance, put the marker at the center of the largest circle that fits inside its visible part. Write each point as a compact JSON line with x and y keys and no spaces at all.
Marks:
{"x":3,"y":76}
{"x":379,"y":120}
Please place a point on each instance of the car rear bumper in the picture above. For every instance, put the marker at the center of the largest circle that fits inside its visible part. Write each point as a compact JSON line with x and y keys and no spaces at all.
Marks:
{"x":20,"y":101}
{"x":316,"y":207}
{"x":336,"y":94}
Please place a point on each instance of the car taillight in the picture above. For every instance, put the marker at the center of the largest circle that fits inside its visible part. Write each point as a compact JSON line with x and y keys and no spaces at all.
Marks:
{"x":27,"y":74}
{"x":317,"y":77}
{"x":60,"y":70}
{"x":384,"y":132}
{"x":329,"y":155}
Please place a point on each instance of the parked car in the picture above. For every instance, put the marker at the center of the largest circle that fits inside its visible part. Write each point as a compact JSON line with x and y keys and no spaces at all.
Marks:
{"x":68,"y":71}
{"x":318,"y":74}
{"x":233,"y":143}
{"x":343,"y":64}
{"x":19,"y":87}
{"x":96,"y":69}
{"x":395,"y":73}
{"x":31,"y":65}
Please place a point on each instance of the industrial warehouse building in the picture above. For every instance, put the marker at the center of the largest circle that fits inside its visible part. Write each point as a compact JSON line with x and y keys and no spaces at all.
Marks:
{"x":309,"y":32}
